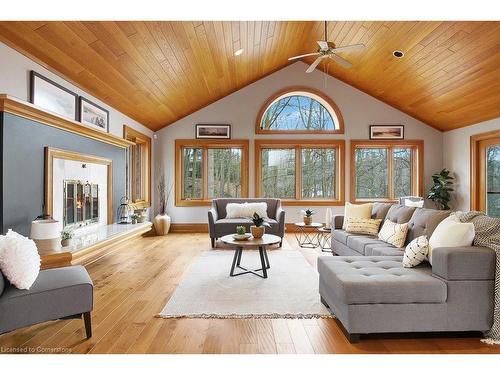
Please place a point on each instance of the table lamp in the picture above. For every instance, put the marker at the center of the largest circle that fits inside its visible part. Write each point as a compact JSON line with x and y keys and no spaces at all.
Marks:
{"x":46,"y":233}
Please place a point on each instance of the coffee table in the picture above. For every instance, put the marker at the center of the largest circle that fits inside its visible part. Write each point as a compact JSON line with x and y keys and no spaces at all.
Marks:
{"x":307,"y":238}
{"x":251,"y":243}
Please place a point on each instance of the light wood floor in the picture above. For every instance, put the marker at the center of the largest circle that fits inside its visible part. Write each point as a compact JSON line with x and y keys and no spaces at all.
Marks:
{"x":134,"y":282}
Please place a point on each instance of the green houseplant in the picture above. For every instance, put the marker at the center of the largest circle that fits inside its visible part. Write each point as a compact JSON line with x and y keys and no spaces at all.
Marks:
{"x":259,"y":226}
{"x":307,"y":214}
{"x":440,"y":191}
{"x":240,"y":230}
{"x":66,"y":236}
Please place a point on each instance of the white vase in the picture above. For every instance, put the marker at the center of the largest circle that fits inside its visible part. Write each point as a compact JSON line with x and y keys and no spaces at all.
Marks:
{"x":328,"y":218}
{"x":162,"y":224}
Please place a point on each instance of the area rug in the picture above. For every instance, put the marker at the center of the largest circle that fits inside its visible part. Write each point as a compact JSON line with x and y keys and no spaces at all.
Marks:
{"x":207,"y":290}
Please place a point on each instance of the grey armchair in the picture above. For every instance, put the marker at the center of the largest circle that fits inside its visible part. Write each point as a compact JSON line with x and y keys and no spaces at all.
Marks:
{"x":58,"y":293}
{"x":219,"y":225}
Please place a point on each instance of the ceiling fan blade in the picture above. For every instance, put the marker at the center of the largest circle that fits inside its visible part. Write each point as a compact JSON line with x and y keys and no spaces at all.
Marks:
{"x":307,"y":54}
{"x":323,"y":45}
{"x":352,"y":47}
{"x":341,"y":61}
{"x":314,"y":64}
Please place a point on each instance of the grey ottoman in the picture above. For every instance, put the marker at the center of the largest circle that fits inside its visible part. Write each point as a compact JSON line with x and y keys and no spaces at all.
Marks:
{"x":376,"y":294}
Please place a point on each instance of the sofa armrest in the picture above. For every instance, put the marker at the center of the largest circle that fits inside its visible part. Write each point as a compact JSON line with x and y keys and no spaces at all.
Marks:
{"x":212,"y":218}
{"x":464,"y":263}
{"x":338,"y":221}
{"x":280,"y":218}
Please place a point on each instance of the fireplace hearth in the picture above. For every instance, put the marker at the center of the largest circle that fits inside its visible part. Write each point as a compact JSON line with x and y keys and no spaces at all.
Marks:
{"x":81,"y":203}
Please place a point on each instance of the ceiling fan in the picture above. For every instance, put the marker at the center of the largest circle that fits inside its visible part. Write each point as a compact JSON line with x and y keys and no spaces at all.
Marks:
{"x":328,"y":50}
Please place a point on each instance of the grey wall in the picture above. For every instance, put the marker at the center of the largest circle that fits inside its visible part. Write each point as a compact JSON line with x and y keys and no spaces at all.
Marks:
{"x":23,"y":143}
{"x":456,"y":157}
{"x":240,"y":109}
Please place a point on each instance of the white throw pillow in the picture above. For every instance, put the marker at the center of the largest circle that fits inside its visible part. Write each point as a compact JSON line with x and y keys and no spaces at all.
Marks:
{"x":19,"y":259}
{"x":410,"y":203}
{"x":451,"y":233}
{"x":416,"y":252}
{"x":358,"y":211}
{"x":245,"y":210}
{"x":363,"y":226}
{"x":393,"y":233}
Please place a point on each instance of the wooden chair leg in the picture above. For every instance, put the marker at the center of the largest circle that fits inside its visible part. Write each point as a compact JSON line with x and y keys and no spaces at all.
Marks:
{"x":88,"y":324}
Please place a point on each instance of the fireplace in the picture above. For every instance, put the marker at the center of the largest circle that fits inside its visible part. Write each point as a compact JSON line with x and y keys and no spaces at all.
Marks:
{"x":81,"y":203}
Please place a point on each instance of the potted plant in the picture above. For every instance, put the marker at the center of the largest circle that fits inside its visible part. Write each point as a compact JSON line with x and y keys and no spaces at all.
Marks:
{"x":134,"y":218}
{"x":66,"y":236}
{"x":259,"y":226}
{"x":440,"y":191}
{"x":240,"y":230}
{"x":162,"y":220}
{"x":141,"y":215}
{"x":307,"y":214}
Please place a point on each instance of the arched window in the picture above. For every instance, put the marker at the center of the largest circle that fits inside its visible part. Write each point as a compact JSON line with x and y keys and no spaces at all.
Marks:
{"x":299,"y":110}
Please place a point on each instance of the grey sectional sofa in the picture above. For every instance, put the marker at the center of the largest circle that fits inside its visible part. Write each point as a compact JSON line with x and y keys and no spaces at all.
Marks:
{"x":219,"y":225}
{"x":369,"y":290}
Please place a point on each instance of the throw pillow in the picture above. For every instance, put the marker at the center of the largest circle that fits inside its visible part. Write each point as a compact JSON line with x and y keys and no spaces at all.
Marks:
{"x":245,"y":210}
{"x":19,"y":260}
{"x":359,"y":211}
{"x":410,"y":203}
{"x":393,"y":233}
{"x":363,"y":226}
{"x":416,"y":252}
{"x":451,"y":233}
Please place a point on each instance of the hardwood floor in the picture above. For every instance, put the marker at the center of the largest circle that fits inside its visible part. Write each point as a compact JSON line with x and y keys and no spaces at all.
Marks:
{"x":134,"y":282}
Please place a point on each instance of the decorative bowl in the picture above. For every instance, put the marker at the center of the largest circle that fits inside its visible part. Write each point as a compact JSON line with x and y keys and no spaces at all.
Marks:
{"x":241,"y":237}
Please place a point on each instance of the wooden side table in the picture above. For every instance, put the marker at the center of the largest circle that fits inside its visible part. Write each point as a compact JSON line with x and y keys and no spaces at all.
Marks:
{"x":324,"y":239}
{"x":308,"y":235}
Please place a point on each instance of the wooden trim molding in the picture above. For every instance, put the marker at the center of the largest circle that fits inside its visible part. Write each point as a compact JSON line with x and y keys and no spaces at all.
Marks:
{"x":139,"y":138}
{"x":417,"y":147}
{"x":477,"y":169}
{"x":54,"y":153}
{"x":206,"y":144}
{"x":298,"y":144}
{"x":30,"y":111}
{"x":327,"y":101}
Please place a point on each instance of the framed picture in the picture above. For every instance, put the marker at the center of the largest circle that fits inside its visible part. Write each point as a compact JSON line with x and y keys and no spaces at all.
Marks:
{"x":213,"y":131}
{"x":53,"y":97}
{"x":387,"y":132}
{"x":93,"y":115}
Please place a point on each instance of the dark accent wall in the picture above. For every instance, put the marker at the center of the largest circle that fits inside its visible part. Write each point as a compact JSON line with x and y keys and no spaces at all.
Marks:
{"x":22,"y":173}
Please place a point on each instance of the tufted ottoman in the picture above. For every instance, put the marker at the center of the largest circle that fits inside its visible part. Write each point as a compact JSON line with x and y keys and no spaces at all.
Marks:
{"x":376,"y":294}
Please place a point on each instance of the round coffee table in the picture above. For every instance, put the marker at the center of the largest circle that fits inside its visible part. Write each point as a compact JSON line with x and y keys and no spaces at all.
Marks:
{"x":251,"y":243}
{"x":307,"y":238}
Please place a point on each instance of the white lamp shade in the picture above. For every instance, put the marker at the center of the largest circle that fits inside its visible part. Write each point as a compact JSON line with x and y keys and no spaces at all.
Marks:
{"x":45,"y":229}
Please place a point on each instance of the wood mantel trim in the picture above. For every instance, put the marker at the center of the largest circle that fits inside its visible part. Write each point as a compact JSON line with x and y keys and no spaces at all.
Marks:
{"x":30,"y":111}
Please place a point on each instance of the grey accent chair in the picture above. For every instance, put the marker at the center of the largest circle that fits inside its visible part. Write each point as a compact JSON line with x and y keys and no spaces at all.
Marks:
{"x":219,"y":225}
{"x":58,"y":293}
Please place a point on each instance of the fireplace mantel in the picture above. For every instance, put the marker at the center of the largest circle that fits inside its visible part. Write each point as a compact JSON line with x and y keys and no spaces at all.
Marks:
{"x":30,"y":111}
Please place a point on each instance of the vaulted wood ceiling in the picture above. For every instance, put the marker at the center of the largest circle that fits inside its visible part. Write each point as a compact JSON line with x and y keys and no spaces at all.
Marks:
{"x":159,"y":72}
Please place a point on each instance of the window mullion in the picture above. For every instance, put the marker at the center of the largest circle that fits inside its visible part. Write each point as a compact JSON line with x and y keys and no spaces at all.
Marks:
{"x":390,"y":172}
{"x":204,"y":172}
{"x":298,"y":173}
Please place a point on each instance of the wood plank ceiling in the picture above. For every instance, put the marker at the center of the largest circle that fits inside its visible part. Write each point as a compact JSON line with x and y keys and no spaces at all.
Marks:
{"x":159,"y":72}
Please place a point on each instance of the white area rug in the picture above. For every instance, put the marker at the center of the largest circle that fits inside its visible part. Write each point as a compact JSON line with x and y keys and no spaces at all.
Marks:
{"x":207,"y":290}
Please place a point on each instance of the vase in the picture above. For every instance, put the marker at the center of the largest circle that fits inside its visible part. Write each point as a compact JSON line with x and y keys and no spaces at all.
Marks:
{"x":308,"y":220}
{"x":328,"y":218}
{"x":66,"y":242}
{"x":257,"y":232}
{"x":162,"y":224}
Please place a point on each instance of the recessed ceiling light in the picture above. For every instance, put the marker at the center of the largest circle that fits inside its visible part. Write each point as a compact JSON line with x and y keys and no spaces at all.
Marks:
{"x":238,"y":52}
{"x":398,"y":54}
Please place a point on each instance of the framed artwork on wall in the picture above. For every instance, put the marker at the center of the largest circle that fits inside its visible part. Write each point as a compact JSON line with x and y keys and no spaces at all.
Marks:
{"x":53,"y":97}
{"x":213,"y":131}
{"x":387,"y":132}
{"x":93,"y":115}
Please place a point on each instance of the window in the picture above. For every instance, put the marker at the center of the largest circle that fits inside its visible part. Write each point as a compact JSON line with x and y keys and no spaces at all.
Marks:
{"x":485,"y":173}
{"x":138,"y":167}
{"x":299,"y":111}
{"x":207,"y":169}
{"x":300,"y":172}
{"x":385,"y":171}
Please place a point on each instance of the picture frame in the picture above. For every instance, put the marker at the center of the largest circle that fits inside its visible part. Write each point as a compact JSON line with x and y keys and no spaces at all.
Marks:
{"x":213,"y":131}
{"x":53,"y":97}
{"x":93,"y":115}
{"x":387,"y":132}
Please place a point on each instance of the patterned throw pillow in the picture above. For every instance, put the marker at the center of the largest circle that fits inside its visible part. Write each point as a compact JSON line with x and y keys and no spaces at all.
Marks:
{"x":363,"y":226}
{"x":393,"y":233}
{"x":416,"y":252}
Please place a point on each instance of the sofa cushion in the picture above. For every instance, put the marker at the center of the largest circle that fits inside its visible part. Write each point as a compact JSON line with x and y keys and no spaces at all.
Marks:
{"x":378,"y":280}
{"x":363,"y":226}
{"x":361,"y":211}
{"x":386,"y":251}
{"x":272,"y":205}
{"x":340,"y":235}
{"x":423,"y":222}
{"x":358,"y":243}
{"x":393,"y":233}
{"x":399,"y":214}
{"x":379,"y":210}
{"x":56,"y":293}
